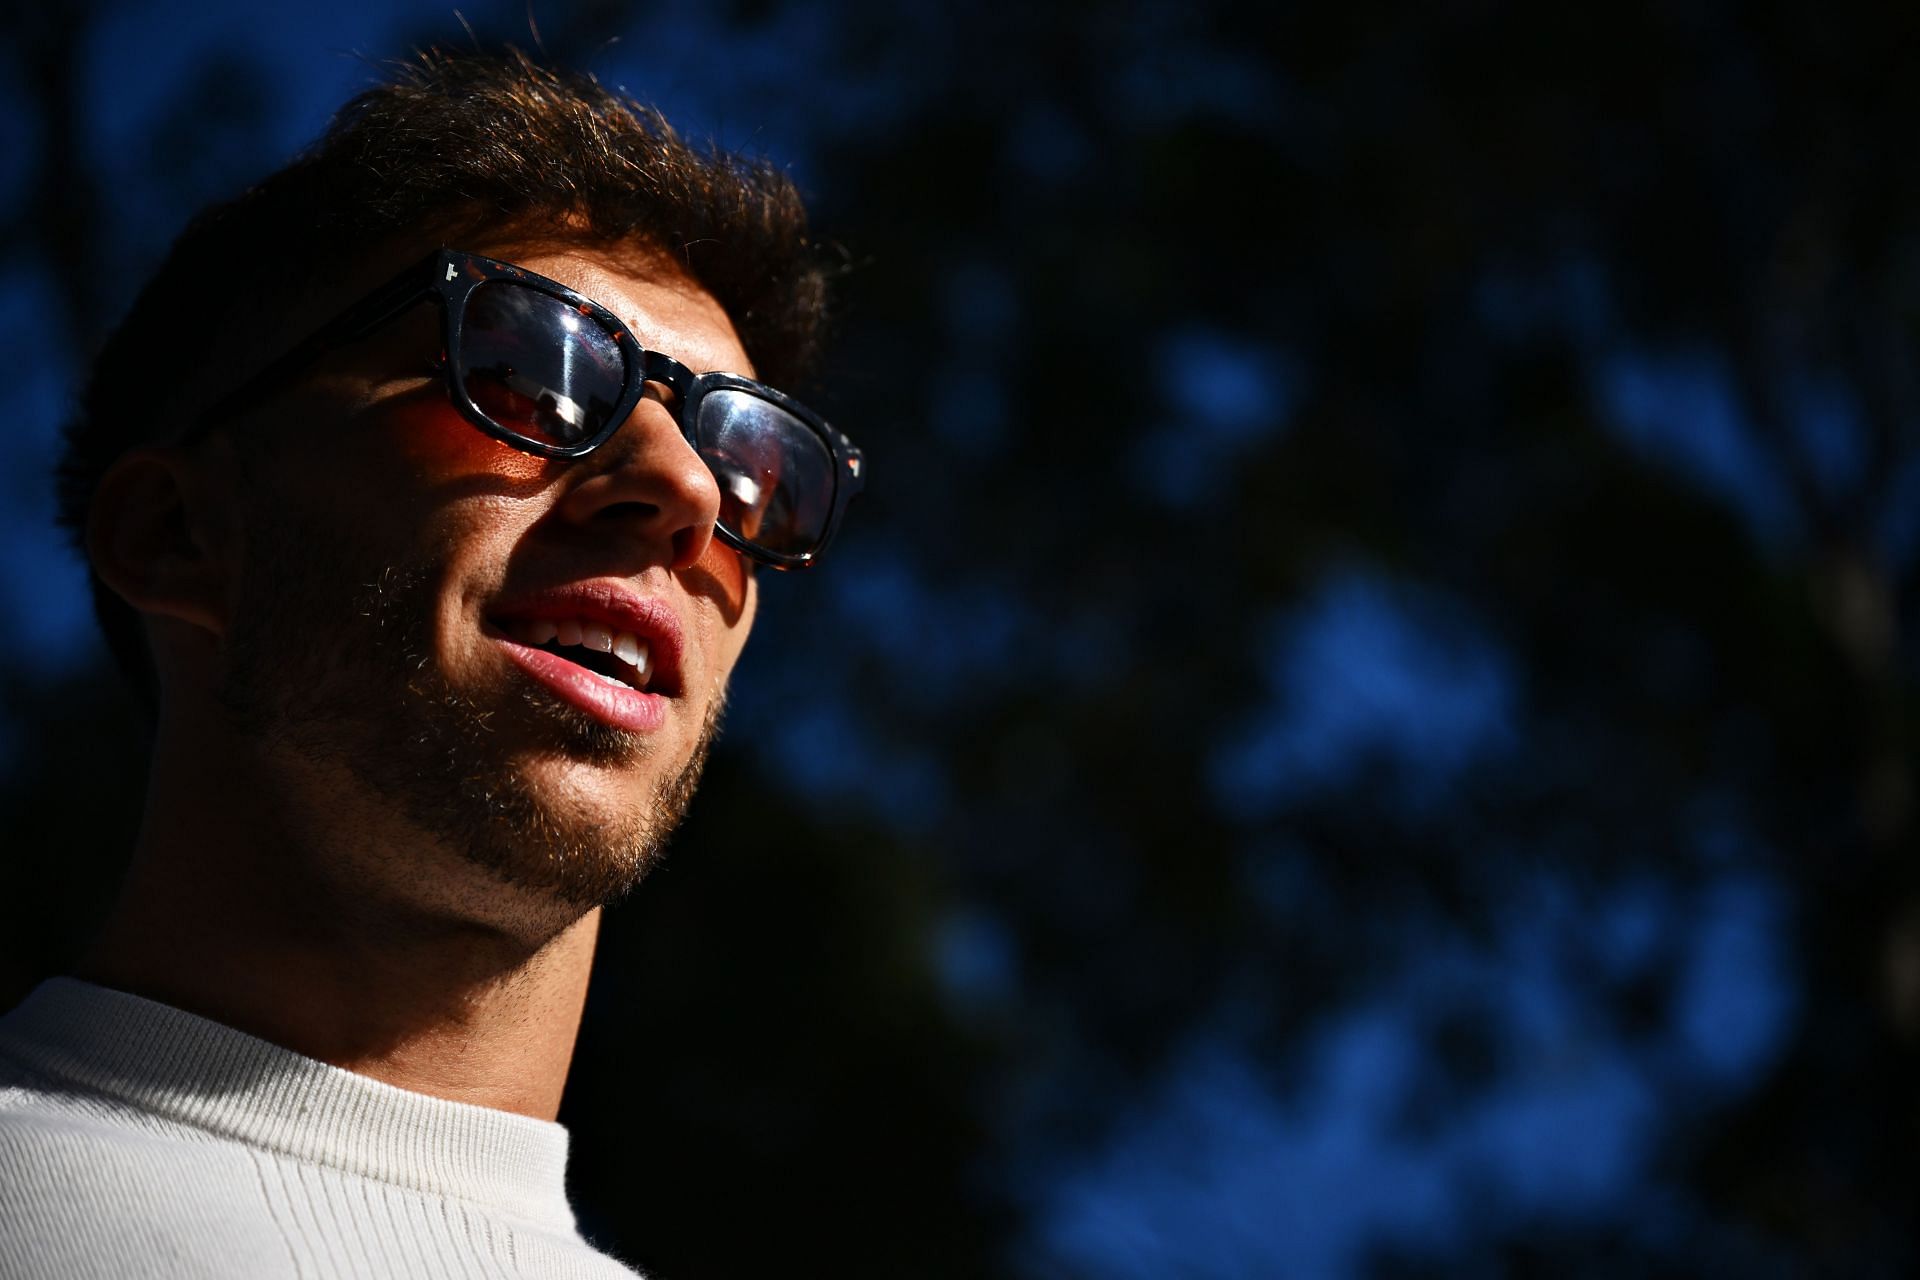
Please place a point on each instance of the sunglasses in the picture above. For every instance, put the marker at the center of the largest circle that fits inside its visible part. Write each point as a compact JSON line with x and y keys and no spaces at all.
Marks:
{"x":544,"y":369}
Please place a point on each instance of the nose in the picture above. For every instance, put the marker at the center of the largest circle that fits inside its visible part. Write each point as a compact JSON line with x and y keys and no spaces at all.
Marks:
{"x":647,"y":484}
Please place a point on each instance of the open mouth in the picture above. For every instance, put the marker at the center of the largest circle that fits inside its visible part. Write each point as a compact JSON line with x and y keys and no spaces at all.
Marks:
{"x":600,"y":646}
{"x":617,"y":657}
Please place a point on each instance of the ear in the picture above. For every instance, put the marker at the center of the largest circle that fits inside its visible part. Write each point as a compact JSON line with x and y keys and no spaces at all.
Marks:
{"x":160,"y":535}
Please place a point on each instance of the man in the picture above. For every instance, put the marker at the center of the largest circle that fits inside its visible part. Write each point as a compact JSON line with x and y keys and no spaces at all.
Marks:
{"x":425,"y":486}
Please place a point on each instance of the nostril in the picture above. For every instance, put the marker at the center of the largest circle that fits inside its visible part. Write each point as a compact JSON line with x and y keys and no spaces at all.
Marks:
{"x":623,"y":511}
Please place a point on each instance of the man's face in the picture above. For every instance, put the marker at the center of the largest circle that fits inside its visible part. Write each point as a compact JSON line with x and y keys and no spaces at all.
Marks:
{"x":412,"y":592}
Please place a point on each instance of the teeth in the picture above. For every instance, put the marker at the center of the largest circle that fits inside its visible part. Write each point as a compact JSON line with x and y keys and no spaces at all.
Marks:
{"x":627,"y":648}
{"x":624,"y":645}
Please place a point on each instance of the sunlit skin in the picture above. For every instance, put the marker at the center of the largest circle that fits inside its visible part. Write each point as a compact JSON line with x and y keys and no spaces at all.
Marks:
{"x":270,"y":889}
{"x":440,"y":442}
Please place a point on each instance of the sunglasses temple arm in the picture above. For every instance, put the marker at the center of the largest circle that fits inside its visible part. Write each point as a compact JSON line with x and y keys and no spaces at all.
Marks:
{"x":398,"y":295}
{"x":391,"y":300}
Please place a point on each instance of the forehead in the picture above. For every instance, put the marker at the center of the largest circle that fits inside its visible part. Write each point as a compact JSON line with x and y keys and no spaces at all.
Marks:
{"x":665,"y":307}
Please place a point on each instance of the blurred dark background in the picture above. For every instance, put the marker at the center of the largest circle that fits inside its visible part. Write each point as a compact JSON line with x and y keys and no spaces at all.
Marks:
{"x":1365,"y":725}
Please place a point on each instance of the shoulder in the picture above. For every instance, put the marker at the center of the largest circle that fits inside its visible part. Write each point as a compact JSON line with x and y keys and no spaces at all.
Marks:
{"x":88,"y":1189}
{"x":87,"y":1193}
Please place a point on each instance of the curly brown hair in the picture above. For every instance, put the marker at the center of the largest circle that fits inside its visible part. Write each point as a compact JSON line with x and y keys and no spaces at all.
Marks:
{"x":453,"y":146}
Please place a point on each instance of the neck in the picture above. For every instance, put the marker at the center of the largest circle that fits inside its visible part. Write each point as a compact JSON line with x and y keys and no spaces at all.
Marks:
{"x":366,"y":953}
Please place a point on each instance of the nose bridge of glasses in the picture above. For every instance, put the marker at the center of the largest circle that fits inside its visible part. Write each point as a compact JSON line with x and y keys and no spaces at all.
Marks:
{"x":664,"y":369}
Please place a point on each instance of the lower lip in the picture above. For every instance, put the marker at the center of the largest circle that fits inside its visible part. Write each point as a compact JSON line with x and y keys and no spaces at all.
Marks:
{"x":614,"y":704}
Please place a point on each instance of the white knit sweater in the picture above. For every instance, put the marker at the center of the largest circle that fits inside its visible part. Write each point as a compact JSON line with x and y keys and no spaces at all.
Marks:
{"x":137,"y":1140}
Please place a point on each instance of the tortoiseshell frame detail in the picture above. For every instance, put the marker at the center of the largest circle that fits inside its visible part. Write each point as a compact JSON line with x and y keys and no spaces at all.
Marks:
{"x":449,"y":277}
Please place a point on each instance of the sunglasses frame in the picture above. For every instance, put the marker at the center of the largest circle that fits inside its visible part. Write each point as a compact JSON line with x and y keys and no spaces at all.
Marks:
{"x":449,"y":277}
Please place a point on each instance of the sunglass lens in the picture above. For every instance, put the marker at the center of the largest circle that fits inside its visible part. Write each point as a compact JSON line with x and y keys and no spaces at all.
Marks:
{"x":538,"y":367}
{"x":776,"y":474}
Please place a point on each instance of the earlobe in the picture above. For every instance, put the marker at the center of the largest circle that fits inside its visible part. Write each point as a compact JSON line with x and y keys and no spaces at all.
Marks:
{"x":157,"y":534}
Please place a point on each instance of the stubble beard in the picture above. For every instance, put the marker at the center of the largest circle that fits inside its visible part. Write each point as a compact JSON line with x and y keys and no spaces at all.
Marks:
{"x":342,"y":673}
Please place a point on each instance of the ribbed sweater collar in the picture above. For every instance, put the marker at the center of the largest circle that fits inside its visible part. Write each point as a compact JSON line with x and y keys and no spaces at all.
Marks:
{"x":168,"y":1063}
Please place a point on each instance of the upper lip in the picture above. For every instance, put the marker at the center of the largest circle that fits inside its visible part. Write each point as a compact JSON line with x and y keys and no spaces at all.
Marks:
{"x":613,"y":605}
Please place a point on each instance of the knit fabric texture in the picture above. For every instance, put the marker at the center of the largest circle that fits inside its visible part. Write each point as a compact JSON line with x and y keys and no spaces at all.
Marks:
{"x":138,"y":1140}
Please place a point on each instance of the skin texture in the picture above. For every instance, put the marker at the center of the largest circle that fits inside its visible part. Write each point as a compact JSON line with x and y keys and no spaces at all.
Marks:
{"x":369,"y":836}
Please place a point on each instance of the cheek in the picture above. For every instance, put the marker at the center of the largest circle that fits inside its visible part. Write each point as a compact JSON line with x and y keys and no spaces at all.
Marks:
{"x":433,"y":437}
{"x":726,"y":573}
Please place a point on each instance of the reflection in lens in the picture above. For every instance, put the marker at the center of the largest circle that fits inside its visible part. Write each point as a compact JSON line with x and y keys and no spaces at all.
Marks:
{"x":537,"y":366}
{"x":775,"y":473}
